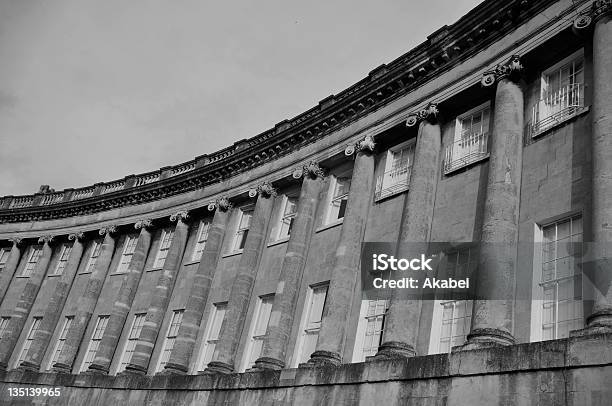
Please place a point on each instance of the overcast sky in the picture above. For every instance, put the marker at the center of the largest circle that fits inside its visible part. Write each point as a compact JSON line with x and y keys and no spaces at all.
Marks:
{"x":92,"y":91}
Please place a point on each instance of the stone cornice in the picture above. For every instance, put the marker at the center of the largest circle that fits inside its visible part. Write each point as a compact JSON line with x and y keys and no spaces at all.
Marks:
{"x":444,"y":49}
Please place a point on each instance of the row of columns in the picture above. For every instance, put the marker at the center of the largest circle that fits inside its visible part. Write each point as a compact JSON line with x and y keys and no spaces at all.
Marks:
{"x":492,"y":320}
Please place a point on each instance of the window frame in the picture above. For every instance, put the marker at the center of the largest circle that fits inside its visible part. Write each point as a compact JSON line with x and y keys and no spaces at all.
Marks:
{"x":265,"y":300}
{"x":241,"y":234}
{"x":207,"y":341}
{"x":170,"y":338}
{"x":163,"y":249}
{"x":279,"y":235}
{"x":29,"y":339}
{"x":27,"y":271}
{"x":362,"y":328}
{"x":96,"y":338}
{"x":4,"y":323}
{"x":4,"y":256}
{"x":61,"y":260}
{"x":304,"y":320}
{"x":129,"y":247}
{"x":332,"y":197}
{"x":61,"y":341}
{"x":200,"y":243}
{"x":94,"y":253}
{"x":131,"y":341}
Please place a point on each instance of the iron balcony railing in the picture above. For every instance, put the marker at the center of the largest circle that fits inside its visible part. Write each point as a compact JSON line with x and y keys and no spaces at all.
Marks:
{"x":556,"y":107}
{"x":392,"y":182}
{"x":469,"y":149}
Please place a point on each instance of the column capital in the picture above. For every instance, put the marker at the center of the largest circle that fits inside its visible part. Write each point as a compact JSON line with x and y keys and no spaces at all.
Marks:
{"x":110,"y":229}
{"x":46,"y":239}
{"x":143,"y":223}
{"x":80,"y":236}
{"x":223,"y":203}
{"x":265,"y":189}
{"x":584,"y":22}
{"x":18,"y":242}
{"x":429,"y":113}
{"x":366,"y":145}
{"x":513,"y":69}
{"x":310,"y":169}
{"x":181,"y":215}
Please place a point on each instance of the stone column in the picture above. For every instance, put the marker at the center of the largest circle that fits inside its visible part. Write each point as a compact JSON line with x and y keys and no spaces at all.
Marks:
{"x":283,"y":309}
{"x":160,"y":297}
{"x":54,"y":308}
{"x":178,"y":363}
{"x":346,"y":270}
{"x":123,"y":300}
{"x":231,"y":329}
{"x":10,"y":267}
{"x":87,"y":303}
{"x":492,"y":318}
{"x":26,"y":300}
{"x":402,"y":319}
{"x":599,"y":19}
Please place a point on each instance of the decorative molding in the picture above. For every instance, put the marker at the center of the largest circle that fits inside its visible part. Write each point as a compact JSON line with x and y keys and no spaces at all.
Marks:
{"x":601,"y":8}
{"x":46,"y":239}
{"x":222,"y":204}
{"x":513,"y":69}
{"x":475,"y":31}
{"x":111,"y":229}
{"x":429,"y":113}
{"x":583,"y":24}
{"x":146,"y":223}
{"x":310,"y":169}
{"x":182,"y":215}
{"x":80,"y":236}
{"x":366,"y":145}
{"x":266,"y":190}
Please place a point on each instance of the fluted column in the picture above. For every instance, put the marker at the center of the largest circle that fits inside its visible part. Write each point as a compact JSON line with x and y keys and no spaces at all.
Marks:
{"x":160,"y":297}
{"x":10,"y":267}
{"x":53,"y":310}
{"x":26,"y":300}
{"x":598,"y":21}
{"x":231,"y":329}
{"x":402,"y":318}
{"x":178,"y":363}
{"x":346,"y":269}
{"x":283,"y":309}
{"x":492,"y":318}
{"x":86,"y":304}
{"x":123,"y":300}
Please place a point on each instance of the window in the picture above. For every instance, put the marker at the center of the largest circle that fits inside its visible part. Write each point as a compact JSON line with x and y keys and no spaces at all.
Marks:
{"x":339,"y":189}
{"x":558,"y":282}
{"x":258,"y":330}
{"x":29,"y":339}
{"x":4,"y":322}
{"x":396,"y":177}
{"x":201,"y":242}
{"x":130,"y":346}
{"x":370,"y":328}
{"x":129,"y":246}
{"x":287,"y":217}
{"x":4,"y":254}
{"x":450,"y":325}
{"x":94,"y":343}
{"x":173,"y":329}
{"x":213,"y":329}
{"x":164,"y":246}
{"x":243,"y":229}
{"x":59,"y":346}
{"x":93,"y":256}
{"x":35,"y":253}
{"x":471,"y":139}
{"x":561,"y":93}
{"x":311,"y":323}
{"x":63,"y":259}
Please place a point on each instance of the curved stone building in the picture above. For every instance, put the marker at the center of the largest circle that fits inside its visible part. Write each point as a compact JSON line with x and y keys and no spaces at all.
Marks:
{"x":234,"y":278}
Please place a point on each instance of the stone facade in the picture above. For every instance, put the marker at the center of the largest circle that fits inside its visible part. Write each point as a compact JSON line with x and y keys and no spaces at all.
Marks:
{"x":234,"y":278}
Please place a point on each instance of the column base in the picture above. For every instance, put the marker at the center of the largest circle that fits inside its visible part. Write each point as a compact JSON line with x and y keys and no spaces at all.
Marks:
{"x":218,"y":367}
{"x":486,"y":338}
{"x":174,"y":369}
{"x":325,"y":358}
{"x":29,"y":366}
{"x":61,"y":368}
{"x":97,"y":369}
{"x":269,"y":363}
{"x":394,"y":350}
{"x":133,"y":369}
{"x":600,"y":318}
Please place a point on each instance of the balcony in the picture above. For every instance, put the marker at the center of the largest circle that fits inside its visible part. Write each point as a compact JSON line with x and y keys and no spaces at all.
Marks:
{"x":555,"y":108}
{"x":461,"y":153}
{"x":392,"y":182}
